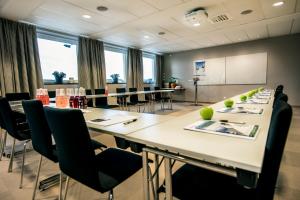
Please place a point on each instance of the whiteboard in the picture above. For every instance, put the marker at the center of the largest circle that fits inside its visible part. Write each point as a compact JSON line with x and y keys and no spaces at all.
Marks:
{"x":214,"y":72}
{"x":247,"y":69}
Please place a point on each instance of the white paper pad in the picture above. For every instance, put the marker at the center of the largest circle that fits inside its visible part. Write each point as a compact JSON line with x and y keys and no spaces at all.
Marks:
{"x":246,"y":131}
{"x":115,"y":119}
{"x":241,"y":110}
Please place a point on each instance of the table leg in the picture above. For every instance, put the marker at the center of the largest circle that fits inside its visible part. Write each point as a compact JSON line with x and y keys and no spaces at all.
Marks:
{"x":146,"y":176}
{"x":156,"y":178}
{"x":168,"y":175}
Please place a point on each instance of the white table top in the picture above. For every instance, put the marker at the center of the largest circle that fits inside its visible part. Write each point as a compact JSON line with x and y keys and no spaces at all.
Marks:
{"x":237,"y":152}
{"x":144,"y":120}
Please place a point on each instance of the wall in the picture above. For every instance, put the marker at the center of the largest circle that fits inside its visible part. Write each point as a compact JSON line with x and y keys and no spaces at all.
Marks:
{"x":283,"y":68}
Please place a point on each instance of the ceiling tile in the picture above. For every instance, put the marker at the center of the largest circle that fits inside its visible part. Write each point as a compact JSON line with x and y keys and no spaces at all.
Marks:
{"x":280,"y":28}
{"x":137,"y":7}
{"x":271,"y":11}
{"x":296,"y":26}
{"x":159,"y":4}
{"x":237,"y":35}
{"x":114,"y":12}
{"x":257,"y":32}
{"x":18,"y":10}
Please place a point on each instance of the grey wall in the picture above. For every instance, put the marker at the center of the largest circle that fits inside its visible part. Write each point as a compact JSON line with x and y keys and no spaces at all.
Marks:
{"x":283,"y":68}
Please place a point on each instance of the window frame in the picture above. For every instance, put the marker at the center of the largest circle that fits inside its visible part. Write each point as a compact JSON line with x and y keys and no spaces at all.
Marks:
{"x":151,"y":56}
{"x":117,"y":49}
{"x":46,"y":34}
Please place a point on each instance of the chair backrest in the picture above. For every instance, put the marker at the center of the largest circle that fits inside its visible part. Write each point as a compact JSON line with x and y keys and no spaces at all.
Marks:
{"x":2,"y":124}
{"x":134,"y":97}
{"x":40,"y":131}
{"x":120,"y":90}
{"x":279,"y":87}
{"x":73,"y":143}
{"x":17,"y":96}
{"x":280,"y":97}
{"x":102,"y":101}
{"x":8,"y":118}
{"x":278,"y":131}
{"x":90,"y":101}
{"x":147,"y":96}
{"x":51,"y":94}
{"x":157,"y":94}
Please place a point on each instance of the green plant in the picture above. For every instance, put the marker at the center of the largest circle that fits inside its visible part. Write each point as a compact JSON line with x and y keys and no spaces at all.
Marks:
{"x":58,"y":76}
{"x":115,"y":77}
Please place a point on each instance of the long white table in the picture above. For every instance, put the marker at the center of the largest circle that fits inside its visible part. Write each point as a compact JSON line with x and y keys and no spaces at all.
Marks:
{"x":232,"y":156}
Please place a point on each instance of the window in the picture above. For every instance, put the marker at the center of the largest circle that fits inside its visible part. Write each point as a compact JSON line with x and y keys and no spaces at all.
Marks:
{"x":148,"y":68}
{"x":115,"y":61}
{"x":57,"y":54}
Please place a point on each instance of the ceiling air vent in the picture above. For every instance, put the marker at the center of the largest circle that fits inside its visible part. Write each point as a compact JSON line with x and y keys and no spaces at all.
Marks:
{"x":220,"y":18}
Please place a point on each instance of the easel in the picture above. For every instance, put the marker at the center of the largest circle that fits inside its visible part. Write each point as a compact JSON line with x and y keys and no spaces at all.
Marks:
{"x":195,"y":80}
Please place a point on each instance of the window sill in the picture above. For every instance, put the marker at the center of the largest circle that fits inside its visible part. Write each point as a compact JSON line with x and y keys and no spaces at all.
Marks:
{"x":64,"y":83}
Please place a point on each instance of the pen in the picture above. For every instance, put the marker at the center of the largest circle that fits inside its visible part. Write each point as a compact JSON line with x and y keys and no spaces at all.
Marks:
{"x":226,"y":121}
{"x":125,"y":123}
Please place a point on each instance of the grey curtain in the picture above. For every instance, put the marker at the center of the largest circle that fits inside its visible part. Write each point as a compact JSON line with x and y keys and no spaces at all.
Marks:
{"x":91,"y":63}
{"x":20,"y":68}
{"x":158,"y":70}
{"x":135,"y":69}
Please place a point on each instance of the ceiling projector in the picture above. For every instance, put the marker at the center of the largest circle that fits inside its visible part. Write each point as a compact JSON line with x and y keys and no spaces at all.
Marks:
{"x":196,"y":16}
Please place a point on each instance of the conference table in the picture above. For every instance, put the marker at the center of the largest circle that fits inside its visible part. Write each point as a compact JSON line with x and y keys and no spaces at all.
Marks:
{"x":166,"y":138}
{"x":238,"y":157}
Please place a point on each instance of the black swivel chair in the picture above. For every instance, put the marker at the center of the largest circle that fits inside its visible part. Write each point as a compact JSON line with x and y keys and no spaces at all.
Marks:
{"x":19,"y":130}
{"x":3,"y":136}
{"x":41,"y":135}
{"x":162,"y":99}
{"x":102,"y":102}
{"x":101,"y":172}
{"x":122,"y":100}
{"x":89,"y":101}
{"x":278,"y":90}
{"x":17,"y":96}
{"x":134,"y":100}
{"x":190,"y":181}
{"x":280,"y":97}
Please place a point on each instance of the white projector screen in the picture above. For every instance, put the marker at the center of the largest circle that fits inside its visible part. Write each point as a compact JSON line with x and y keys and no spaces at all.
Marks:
{"x":247,"y":69}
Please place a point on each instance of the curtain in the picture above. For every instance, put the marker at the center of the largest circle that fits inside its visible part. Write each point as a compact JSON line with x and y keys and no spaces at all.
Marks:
{"x":158,"y":70}
{"x":135,"y":69}
{"x":20,"y":68}
{"x":91,"y":63}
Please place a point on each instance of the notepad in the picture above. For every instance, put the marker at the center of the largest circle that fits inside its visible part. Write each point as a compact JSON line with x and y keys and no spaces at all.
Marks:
{"x":111,"y":120}
{"x":245,"y":131}
{"x":241,"y":110}
{"x":254,"y":101}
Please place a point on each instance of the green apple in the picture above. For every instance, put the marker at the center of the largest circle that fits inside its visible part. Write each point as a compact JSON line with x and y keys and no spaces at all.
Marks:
{"x":228,"y":103}
{"x":250,"y":93}
{"x":206,"y":113}
{"x":243,"y":97}
{"x":261,"y":89}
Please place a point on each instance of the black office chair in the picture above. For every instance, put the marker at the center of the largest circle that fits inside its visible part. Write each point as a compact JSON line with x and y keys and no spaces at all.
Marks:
{"x":17,"y":96}
{"x":19,"y":130}
{"x":162,"y":99}
{"x":89,"y":101}
{"x":147,"y":96}
{"x":3,"y":136}
{"x":41,"y":135}
{"x":102,"y":102}
{"x":51,"y":94}
{"x":101,"y":172}
{"x":278,"y":90}
{"x":280,"y":97}
{"x":191,"y":181}
{"x":134,"y":100}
